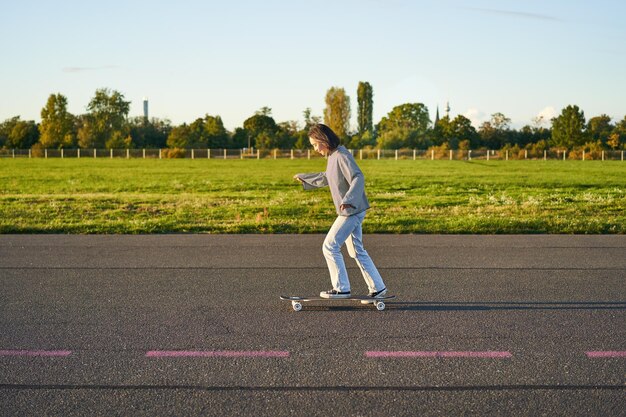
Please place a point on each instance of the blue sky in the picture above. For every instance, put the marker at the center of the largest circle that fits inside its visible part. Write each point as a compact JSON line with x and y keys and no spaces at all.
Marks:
{"x":230,"y":58}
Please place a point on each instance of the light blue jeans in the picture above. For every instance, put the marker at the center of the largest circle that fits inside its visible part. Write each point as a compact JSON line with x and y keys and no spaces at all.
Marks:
{"x":348,"y":230}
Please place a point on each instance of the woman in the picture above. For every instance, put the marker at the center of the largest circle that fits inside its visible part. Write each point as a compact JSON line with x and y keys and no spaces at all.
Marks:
{"x":347,"y":187}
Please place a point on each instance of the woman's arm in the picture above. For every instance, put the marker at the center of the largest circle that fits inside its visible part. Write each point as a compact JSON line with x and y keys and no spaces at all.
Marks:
{"x":312,"y":180}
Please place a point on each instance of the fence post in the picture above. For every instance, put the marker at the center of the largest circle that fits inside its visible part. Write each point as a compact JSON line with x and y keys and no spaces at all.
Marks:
{"x":396,"y":154}
{"x":160,"y":153}
{"x":144,"y":153}
{"x":13,"y":153}
{"x":378,"y":155}
{"x":603,"y":155}
{"x":292,"y":154}
{"x":525,"y":153}
{"x":564,"y":154}
{"x":30,"y":153}
{"x":622,"y":155}
{"x":208,"y":154}
{"x":46,"y":153}
{"x":361,"y":154}
{"x":507,"y":154}
{"x":414,"y":154}
{"x":241,"y":153}
{"x":94,"y":153}
{"x":469,"y":155}
{"x":78,"y":153}
{"x":193,"y":154}
{"x":488,"y":151}
{"x":451,"y":154}
{"x":545,"y":155}
{"x":258,"y":154}
{"x":224,"y":153}
{"x":111,"y":152}
{"x":274,"y":153}
{"x":432,"y":154}
{"x":62,"y":156}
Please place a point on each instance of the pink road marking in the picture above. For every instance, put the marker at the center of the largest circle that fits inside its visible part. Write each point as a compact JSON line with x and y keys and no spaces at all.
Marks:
{"x":607,"y":354}
{"x":436,"y":354}
{"x":55,"y":353}
{"x":216,"y":354}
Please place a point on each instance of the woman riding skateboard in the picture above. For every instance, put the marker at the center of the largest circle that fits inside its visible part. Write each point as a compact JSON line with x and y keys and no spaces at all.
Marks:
{"x":347,"y":187}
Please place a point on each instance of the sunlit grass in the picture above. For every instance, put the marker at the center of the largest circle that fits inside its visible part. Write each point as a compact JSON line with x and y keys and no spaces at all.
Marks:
{"x":250,"y":196}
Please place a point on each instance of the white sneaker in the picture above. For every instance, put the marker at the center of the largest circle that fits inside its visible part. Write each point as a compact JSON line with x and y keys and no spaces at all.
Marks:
{"x":334,"y":294}
{"x":374,"y":295}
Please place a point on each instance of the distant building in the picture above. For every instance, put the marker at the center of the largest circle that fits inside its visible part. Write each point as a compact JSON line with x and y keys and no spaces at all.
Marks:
{"x":145,"y":108}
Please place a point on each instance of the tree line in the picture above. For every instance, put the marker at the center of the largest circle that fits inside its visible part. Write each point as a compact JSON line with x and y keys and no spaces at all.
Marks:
{"x":106,"y":125}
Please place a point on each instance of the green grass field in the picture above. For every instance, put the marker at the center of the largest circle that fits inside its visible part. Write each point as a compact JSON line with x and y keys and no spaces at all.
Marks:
{"x":250,"y":196}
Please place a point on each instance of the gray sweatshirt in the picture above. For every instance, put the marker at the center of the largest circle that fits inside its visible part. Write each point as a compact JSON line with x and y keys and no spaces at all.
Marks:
{"x":345,"y":180}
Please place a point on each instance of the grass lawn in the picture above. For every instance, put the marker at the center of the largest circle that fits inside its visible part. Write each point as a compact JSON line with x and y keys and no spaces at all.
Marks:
{"x":259,"y":196}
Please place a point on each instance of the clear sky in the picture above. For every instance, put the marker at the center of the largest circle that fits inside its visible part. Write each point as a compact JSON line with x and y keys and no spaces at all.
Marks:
{"x":232,"y":57}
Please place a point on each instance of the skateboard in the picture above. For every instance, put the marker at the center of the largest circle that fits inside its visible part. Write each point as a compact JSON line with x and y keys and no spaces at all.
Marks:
{"x":296,"y":302}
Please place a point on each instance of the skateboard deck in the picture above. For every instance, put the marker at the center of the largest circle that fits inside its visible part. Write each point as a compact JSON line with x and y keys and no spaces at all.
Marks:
{"x":296,"y":301}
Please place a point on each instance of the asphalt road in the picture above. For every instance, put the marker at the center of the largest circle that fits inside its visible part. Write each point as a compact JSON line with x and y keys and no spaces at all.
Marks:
{"x":192,"y":325}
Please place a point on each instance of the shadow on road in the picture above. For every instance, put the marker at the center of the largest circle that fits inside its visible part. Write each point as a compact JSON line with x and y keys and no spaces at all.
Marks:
{"x":493,"y":305}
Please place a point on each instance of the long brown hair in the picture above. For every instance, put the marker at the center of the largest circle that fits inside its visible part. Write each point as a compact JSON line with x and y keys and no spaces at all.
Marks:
{"x":322,"y":133}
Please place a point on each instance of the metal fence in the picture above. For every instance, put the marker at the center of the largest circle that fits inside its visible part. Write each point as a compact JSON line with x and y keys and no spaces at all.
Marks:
{"x":361,"y":154}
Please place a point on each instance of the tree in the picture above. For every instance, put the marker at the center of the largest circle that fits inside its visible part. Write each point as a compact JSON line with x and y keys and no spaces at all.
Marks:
{"x":24,"y":134}
{"x":239,"y":138}
{"x":5,"y":129}
{"x":617,"y":139}
{"x":539,"y":132}
{"x":461,"y":130}
{"x":365,"y":107}
{"x":310,"y":120}
{"x":18,"y":134}
{"x":197,"y":137}
{"x":57,"y":124}
{"x":258,"y":125}
{"x":568,"y":128}
{"x":302,"y":136}
{"x":337,"y":111}
{"x":500,"y":122}
{"x":288,"y":134}
{"x":599,"y":129}
{"x":440,"y":132}
{"x":199,"y":134}
{"x":264,"y":111}
{"x":360,"y":141}
{"x":86,"y":131}
{"x":488,"y":136}
{"x":108,"y":111}
{"x":265,"y":140}
{"x":496,"y":132}
{"x":215,"y":132}
{"x":118,"y":141}
{"x":179,"y":137}
{"x":405,"y":125}
{"x":149,"y":133}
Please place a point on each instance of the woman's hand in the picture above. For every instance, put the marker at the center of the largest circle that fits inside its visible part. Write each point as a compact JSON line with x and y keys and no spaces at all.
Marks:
{"x":345,"y":207}
{"x":297,"y":178}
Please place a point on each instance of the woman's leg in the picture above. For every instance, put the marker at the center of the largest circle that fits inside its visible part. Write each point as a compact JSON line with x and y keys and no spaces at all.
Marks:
{"x":336,"y":237}
{"x":354,"y":243}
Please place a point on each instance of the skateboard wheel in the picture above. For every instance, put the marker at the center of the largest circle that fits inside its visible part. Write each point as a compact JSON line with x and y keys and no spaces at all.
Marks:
{"x":380,"y":306}
{"x":296,"y":305}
